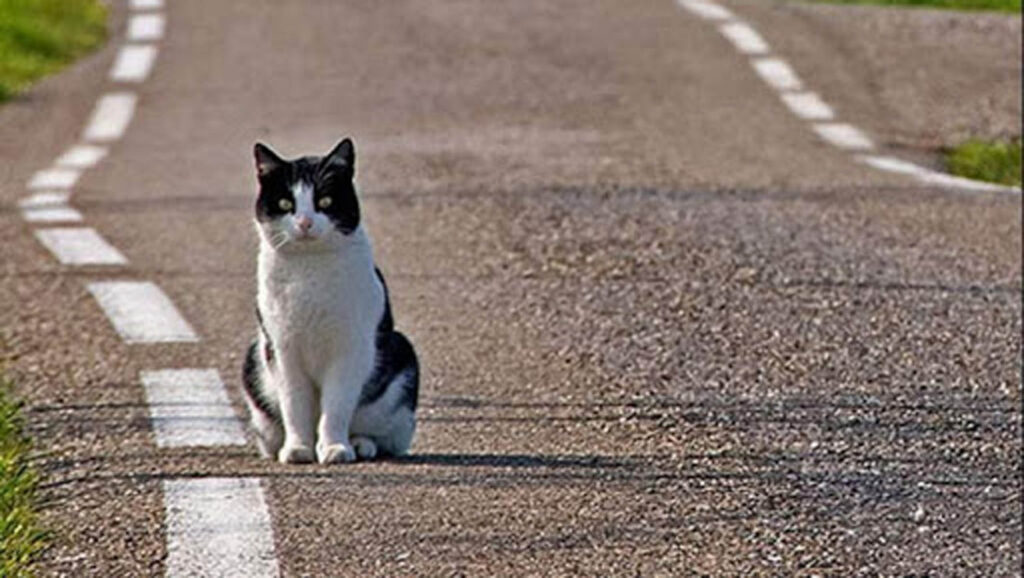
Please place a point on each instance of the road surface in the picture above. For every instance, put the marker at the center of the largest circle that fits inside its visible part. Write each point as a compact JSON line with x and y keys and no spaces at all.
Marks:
{"x":665,"y":328}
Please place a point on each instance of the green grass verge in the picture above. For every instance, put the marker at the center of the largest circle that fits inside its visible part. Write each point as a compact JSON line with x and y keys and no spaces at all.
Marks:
{"x":987,"y":161}
{"x":997,"y":5}
{"x":21,"y":537}
{"x":39,"y":37}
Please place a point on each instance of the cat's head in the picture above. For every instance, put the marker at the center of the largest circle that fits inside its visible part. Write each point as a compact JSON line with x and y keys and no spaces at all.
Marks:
{"x":307,"y":202}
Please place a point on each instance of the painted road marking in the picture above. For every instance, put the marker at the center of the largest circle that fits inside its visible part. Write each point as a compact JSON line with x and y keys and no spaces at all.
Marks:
{"x":54,"y":179}
{"x":144,"y":27}
{"x":44,"y":199}
{"x":777,"y":73}
{"x":52,"y":214}
{"x":807,"y":105}
{"x":707,"y":10}
{"x":133,"y":64}
{"x":141,"y":312}
{"x":79,"y":246}
{"x":147,"y":4}
{"x":218,"y":527}
{"x":111,"y":117}
{"x":895,"y":165}
{"x":190,"y":407}
{"x":81,"y":157}
{"x":744,"y":38}
{"x":844,"y":136}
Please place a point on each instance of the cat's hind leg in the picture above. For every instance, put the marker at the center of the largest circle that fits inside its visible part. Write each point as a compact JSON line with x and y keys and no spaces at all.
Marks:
{"x":386,"y":414}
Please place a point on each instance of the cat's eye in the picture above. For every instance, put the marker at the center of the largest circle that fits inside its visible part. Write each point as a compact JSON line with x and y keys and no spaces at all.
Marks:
{"x":324,"y":202}
{"x":285,"y":205}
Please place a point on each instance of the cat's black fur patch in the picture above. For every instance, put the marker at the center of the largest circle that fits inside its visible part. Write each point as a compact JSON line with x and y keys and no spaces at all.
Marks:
{"x":395,"y":354}
{"x":268,"y":345}
{"x":331,"y":175}
{"x":253,"y":385}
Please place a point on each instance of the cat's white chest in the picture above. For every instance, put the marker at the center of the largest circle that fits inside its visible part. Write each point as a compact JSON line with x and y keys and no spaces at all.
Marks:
{"x":320,"y":307}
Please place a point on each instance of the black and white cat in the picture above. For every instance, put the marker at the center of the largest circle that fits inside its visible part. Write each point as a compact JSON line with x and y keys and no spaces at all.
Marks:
{"x":328,"y":377}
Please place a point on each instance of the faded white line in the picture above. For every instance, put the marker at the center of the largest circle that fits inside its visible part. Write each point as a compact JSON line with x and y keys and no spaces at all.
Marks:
{"x":147,"y":4}
{"x":111,"y":117}
{"x":744,"y":38}
{"x":190,"y":407}
{"x":777,"y":73}
{"x":218,"y":527}
{"x":54,"y":179}
{"x":146,"y":27}
{"x":52,"y":214}
{"x":134,"y":63}
{"x":807,"y":105}
{"x":844,"y":136}
{"x":141,"y":312}
{"x":79,"y":246}
{"x":44,"y":199}
{"x":706,"y":10}
{"x":81,"y":156}
{"x":895,"y":165}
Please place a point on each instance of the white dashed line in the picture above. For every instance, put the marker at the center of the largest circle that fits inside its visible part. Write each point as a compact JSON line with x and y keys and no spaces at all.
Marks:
{"x":54,"y":179}
{"x":190,"y":407}
{"x":218,"y":527}
{"x":81,"y":157}
{"x":807,"y":105}
{"x":79,"y":246}
{"x":133,"y":64}
{"x":44,"y":199}
{"x":844,"y":136}
{"x":706,"y":10}
{"x":111,"y":117}
{"x":777,"y":73}
{"x":141,"y":312}
{"x":146,"y":27}
{"x":744,"y":38}
{"x":147,"y":4}
{"x":53,"y":214}
{"x":895,"y":165}
{"x":811,"y":107}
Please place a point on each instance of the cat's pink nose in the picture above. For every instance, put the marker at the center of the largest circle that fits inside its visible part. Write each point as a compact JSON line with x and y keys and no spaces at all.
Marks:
{"x":304,"y":223}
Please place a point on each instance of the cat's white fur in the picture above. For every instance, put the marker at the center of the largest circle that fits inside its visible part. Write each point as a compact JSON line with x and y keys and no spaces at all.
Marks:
{"x":321,"y":301}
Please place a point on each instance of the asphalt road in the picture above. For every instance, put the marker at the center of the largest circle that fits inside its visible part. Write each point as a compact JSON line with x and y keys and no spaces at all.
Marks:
{"x":664,"y":329}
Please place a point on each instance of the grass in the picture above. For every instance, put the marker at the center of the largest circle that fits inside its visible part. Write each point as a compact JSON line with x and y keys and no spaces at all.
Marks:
{"x":994,"y":5}
{"x":21,"y":537}
{"x":39,"y":37}
{"x":998,"y":162}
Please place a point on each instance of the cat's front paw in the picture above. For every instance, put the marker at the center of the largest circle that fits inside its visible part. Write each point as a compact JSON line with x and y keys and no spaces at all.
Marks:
{"x":295,"y":454}
{"x":336,"y":454}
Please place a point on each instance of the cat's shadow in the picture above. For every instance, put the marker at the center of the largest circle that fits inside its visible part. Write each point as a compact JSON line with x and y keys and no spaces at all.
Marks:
{"x":515,"y":460}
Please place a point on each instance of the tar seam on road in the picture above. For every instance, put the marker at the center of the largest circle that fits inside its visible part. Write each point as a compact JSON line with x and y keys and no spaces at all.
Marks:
{"x":810,"y":107}
{"x":215,"y":527}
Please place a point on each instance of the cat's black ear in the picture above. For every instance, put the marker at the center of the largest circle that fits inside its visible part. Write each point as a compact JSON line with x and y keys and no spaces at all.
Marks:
{"x":266,"y":159}
{"x":343,"y":154}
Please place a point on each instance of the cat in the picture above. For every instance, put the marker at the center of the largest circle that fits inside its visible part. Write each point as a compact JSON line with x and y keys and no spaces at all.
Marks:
{"x":327,"y":364}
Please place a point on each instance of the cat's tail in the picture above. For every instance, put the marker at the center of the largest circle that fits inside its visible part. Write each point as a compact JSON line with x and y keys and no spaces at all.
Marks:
{"x":264,"y":411}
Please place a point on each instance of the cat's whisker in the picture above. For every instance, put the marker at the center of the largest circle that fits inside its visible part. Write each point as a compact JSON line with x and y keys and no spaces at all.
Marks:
{"x":278,"y":240}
